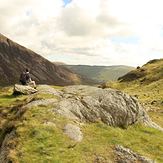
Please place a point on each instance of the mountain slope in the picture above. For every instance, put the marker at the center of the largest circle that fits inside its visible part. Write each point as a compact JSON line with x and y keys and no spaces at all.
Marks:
{"x":100,"y":73}
{"x":146,"y":83}
{"x":14,"y":58}
{"x":150,"y":72}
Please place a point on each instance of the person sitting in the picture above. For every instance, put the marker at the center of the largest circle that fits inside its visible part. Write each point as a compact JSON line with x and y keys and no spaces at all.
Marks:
{"x":25,"y":79}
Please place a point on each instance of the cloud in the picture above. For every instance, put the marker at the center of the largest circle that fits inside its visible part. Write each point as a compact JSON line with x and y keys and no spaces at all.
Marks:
{"x":74,"y":22}
{"x":84,"y":32}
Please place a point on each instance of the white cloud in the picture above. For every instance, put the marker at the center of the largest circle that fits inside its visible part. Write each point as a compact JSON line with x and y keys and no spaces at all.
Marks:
{"x":82,"y":32}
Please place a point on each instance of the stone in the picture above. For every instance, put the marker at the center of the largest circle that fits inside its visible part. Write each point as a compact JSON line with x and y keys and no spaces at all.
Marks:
{"x":73,"y":132}
{"x":46,"y":89}
{"x":91,"y":104}
{"x":42,"y":102}
{"x":23,"y":90}
{"x":50,"y":124}
{"x":125,"y":155}
{"x":6,"y":145}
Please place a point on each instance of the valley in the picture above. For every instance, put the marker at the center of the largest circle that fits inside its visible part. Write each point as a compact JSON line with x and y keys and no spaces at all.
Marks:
{"x":68,"y":118}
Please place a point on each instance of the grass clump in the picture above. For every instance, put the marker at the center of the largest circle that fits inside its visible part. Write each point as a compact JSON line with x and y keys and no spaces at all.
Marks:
{"x":7,"y":99}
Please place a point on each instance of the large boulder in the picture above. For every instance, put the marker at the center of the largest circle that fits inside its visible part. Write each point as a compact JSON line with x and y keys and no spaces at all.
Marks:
{"x":91,"y":104}
{"x":23,"y":90}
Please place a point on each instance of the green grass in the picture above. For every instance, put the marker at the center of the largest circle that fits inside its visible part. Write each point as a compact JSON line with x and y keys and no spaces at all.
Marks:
{"x":141,"y":139}
{"x":146,"y":93}
{"x":7,"y":99}
{"x":39,"y":142}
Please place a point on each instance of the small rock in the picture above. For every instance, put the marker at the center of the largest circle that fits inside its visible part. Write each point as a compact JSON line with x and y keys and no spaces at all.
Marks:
{"x":73,"y":132}
{"x":125,"y":155}
{"x":100,"y":159}
{"x":48,"y":123}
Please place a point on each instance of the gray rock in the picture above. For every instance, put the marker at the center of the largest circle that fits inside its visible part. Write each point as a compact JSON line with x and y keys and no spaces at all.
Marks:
{"x":23,"y":90}
{"x":6,"y":146}
{"x":73,"y":132}
{"x":46,"y":89}
{"x":91,"y":104}
{"x":125,"y":155}
{"x":43,"y":102}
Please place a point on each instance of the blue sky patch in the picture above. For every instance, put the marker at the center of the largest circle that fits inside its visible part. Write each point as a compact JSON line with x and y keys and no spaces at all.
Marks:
{"x":66,"y":2}
{"x":126,"y":40}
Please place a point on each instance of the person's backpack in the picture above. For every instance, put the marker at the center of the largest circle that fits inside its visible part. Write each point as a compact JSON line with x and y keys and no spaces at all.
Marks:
{"x":23,"y":78}
{"x":27,"y":77}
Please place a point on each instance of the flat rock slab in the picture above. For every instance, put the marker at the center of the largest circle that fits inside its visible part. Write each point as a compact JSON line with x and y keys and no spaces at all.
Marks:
{"x":42,"y":102}
{"x":46,"y":89}
{"x":23,"y":90}
{"x":73,"y":132}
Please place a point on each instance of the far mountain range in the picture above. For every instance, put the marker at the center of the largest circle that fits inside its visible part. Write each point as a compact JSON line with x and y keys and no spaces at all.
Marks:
{"x":100,"y":73}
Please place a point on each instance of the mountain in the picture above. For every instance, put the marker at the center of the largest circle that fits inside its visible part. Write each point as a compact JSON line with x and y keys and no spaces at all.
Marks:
{"x":100,"y":73}
{"x":14,"y":58}
{"x":148,"y":73}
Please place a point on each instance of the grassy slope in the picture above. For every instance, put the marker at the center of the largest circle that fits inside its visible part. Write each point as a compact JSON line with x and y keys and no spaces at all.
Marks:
{"x":100,"y":73}
{"x":38,"y":142}
{"x":147,"y":85}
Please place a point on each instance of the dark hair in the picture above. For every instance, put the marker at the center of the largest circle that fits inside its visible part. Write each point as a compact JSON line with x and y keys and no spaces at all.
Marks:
{"x":26,"y":70}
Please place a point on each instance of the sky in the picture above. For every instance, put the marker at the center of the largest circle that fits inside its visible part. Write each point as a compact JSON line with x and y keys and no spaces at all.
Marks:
{"x":89,"y":32}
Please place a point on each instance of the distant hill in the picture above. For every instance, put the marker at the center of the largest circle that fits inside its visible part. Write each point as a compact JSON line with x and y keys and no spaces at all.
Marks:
{"x":150,"y":72}
{"x":14,"y":58}
{"x":100,"y":73}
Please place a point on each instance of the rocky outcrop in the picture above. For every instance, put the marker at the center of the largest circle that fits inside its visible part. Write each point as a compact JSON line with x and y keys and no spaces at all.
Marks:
{"x":23,"y":89}
{"x":73,"y":132}
{"x":125,"y":155}
{"x":91,"y":104}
